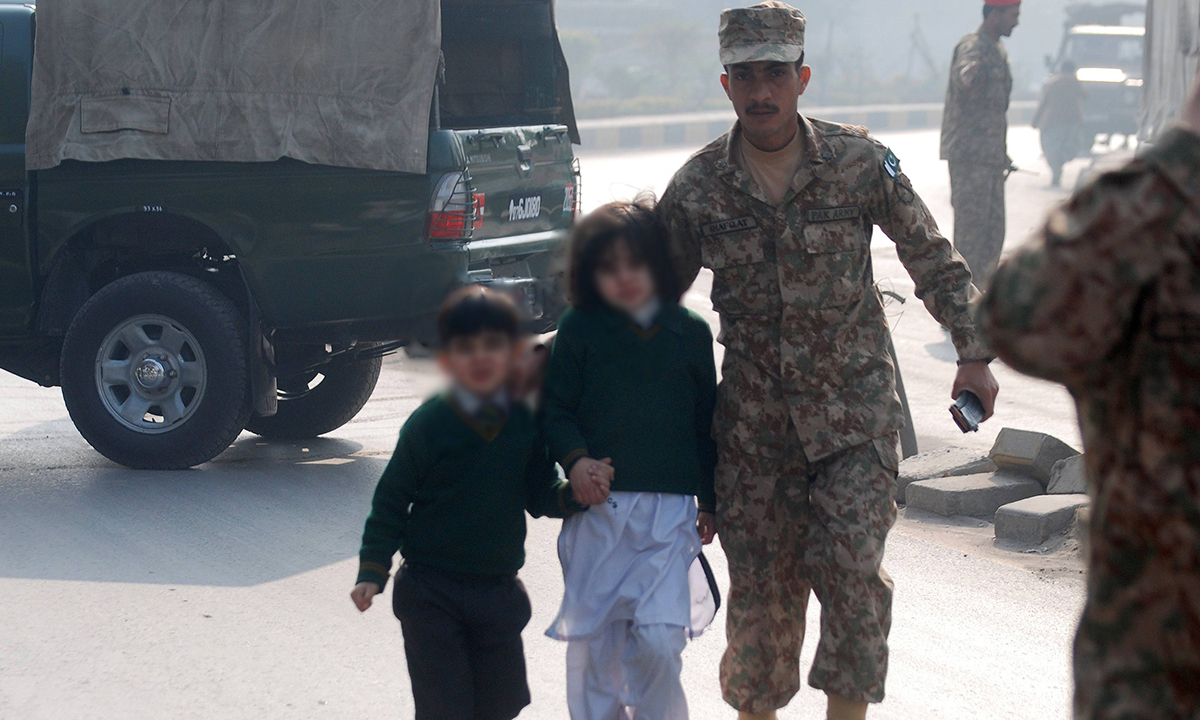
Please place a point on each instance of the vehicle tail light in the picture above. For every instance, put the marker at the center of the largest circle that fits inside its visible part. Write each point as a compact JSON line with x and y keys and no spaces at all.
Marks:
{"x":454,"y":211}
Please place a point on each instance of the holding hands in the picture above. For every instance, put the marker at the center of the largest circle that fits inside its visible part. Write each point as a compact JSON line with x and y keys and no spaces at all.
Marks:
{"x":591,"y":480}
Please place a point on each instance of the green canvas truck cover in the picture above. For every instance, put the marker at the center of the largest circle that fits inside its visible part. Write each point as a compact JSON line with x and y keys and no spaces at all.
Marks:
{"x":332,"y":82}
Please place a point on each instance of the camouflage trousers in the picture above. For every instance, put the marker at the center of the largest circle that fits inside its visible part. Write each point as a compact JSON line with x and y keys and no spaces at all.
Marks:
{"x":1137,"y":651}
{"x":977,"y":194}
{"x":788,"y":527}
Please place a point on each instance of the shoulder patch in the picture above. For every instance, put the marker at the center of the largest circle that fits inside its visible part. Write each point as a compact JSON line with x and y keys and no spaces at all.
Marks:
{"x":891,"y":163}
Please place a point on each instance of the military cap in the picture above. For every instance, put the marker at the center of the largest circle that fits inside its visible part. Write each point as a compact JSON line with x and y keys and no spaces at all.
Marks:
{"x":1001,"y":3}
{"x":770,"y":31}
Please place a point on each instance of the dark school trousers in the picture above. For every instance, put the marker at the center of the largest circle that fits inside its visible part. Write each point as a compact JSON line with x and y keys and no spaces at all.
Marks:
{"x":462,"y":640}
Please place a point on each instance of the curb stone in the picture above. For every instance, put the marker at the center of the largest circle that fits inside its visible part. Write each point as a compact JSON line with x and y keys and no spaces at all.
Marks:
{"x":945,"y":461}
{"x":1030,"y":453}
{"x":1034,"y":520}
{"x":1068,"y":477}
{"x":974,"y":495}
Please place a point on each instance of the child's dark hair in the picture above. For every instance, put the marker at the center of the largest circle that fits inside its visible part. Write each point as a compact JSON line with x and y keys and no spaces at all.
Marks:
{"x":634,"y":223}
{"x":474,"y":310}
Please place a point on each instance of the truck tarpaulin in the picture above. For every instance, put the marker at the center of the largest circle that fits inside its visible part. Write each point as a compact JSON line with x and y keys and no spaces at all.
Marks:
{"x":331,"y":82}
{"x":1172,"y":55}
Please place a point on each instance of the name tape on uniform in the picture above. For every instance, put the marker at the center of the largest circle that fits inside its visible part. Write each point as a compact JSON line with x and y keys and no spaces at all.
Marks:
{"x":727,"y":226}
{"x":829,"y":214}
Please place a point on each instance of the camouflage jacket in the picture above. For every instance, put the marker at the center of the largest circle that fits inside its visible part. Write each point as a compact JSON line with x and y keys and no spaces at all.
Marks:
{"x":975,"y":117}
{"x":794,"y":286}
{"x":1106,"y":299}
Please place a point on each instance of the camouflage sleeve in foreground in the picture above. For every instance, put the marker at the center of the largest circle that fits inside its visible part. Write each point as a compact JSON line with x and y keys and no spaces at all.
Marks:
{"x":1064,"y":302}
{"x":943,"y":281}
{"x":683,"y":242}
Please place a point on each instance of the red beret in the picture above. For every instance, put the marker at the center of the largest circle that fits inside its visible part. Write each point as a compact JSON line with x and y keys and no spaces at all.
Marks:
{"x":1001,"y":3}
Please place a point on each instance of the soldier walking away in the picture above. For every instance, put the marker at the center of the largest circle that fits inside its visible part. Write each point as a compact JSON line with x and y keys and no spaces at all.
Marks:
{"x":974,"y":136}
{"x":1059,"y":118}
{"x":781,"y":209}
{"x":1106,"y":300}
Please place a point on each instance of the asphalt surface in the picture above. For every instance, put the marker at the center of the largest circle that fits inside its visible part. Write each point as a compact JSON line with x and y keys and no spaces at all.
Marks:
{"x":221,"y":592}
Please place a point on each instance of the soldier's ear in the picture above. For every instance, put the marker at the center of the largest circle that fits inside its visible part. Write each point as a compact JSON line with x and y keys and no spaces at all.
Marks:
{"x":725,"y":84}
{"x":805,"y":77}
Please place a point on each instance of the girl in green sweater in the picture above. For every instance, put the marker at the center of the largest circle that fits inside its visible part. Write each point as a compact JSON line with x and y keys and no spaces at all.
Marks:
{"x":629,"y":398}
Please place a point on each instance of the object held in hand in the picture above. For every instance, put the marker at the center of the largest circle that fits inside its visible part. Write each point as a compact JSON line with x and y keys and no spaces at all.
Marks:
{"x":967,"y":411}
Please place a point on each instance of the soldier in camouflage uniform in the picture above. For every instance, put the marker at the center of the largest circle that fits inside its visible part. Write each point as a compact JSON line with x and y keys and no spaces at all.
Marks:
{"x":974,"y":136}
{"x":1107,"y":301}
{"x":807,"y":413}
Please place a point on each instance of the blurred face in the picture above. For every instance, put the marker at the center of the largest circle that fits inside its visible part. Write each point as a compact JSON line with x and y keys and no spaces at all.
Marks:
{"x":624,"y":282}
{"x":480,"y":363}
{"x":765,"y":96}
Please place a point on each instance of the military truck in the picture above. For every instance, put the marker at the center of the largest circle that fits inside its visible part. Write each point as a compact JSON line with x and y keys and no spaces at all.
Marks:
{"x":180,"y":301}
{"x":1106,"y":44}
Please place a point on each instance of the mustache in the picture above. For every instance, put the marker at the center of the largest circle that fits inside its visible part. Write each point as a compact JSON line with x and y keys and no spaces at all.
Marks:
{"x":756,"y":107}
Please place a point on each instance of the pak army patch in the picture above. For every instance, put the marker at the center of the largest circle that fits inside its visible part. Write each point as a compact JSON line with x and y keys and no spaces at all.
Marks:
{"x":829,"y":214}
{"x":891,"y":163}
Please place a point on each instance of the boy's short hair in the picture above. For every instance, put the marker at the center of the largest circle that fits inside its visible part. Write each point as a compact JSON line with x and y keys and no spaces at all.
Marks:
{"x":474,"y":310}
{"x":637,"y":225}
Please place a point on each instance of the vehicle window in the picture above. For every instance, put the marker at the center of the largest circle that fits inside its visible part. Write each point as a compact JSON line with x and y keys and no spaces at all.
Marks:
{"x":1106,"y":51}
{"x":500,"y":65}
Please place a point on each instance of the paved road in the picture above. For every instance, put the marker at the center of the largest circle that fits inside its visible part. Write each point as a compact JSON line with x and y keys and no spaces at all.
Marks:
{"x":221,"y":592}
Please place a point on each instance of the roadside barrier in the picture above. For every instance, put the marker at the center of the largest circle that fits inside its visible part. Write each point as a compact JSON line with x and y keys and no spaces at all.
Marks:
{"x":696,"y":129}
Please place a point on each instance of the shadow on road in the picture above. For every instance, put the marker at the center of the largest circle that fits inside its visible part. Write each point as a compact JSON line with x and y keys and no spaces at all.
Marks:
{"x":260,"y":512}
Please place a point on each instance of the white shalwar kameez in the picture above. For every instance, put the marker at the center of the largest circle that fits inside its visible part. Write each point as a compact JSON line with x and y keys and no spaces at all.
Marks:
{"x":626,"y":608}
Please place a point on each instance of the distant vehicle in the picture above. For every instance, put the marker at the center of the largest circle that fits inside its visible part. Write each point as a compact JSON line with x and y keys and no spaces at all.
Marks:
{"x":179,"y":302}
{"x":1106,"y":43}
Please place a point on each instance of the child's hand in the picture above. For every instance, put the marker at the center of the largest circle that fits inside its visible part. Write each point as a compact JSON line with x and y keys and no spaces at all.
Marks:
{"x":706,"y":525}
{"x":591,"y":480}
{"x":363,"y":593}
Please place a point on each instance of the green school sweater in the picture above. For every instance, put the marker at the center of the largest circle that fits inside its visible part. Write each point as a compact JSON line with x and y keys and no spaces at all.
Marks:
{"x":455,"y":499}
{"x":642,"y":397}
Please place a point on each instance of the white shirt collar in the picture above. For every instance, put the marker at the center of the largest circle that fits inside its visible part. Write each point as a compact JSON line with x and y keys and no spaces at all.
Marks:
{"x":647,"y":314}
{"x":472,"y":403}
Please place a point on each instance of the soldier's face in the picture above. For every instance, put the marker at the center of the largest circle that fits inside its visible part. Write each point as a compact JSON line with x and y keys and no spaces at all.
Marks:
{"x":765,"y":96}
{"x":625,"y":282}
{"x":1010,"y":17}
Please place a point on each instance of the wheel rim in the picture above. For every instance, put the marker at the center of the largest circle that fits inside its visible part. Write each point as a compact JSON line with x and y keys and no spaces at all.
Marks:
{"x":151,"y":374}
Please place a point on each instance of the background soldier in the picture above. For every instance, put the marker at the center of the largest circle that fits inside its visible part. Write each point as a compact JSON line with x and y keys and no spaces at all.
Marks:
{"x":1059,"y":118}
{"x":1107,"y":301}
{"x":781,"y":209}
{"x":974,"y":136}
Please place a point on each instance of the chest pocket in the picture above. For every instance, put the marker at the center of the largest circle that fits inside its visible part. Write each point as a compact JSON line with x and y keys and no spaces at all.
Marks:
{"x":744,"y":282}
{"x":834,"y":263}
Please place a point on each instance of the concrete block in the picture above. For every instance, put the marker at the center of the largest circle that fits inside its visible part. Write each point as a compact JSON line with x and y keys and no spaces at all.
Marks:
{"x":946,"y":461}
{"x":974,"y":495}
{"x":1030,"y":453}
{"x":1034,"y":520}
{"x":1068,"y":477}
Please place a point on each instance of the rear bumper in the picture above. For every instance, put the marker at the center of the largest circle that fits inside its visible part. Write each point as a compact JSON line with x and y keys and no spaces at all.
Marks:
{"x":507,"y":247}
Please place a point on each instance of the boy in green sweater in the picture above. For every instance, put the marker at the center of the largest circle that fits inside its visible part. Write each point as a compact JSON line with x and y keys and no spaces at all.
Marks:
{"x":452,"y":501}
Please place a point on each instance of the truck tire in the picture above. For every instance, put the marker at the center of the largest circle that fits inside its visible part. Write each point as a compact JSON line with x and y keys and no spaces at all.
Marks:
{"x":307,"y":410}
{"x":154,"y":371}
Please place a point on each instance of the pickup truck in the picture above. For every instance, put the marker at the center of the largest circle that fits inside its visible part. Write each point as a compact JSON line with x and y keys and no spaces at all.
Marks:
{"x":179,"y":302}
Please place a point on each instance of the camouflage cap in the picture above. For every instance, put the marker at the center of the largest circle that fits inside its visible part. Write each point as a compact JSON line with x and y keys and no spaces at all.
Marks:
{"x":770,"y":31}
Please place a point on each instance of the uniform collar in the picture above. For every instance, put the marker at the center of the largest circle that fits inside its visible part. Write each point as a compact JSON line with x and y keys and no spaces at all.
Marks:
{"x":471,"y":404}
{"x":816,"y":162}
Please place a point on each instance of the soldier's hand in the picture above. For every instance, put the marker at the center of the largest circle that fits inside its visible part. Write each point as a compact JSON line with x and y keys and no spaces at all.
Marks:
{"x":706,"y":525}
{"x":362,"y":595}
{"x":978,"y":378}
